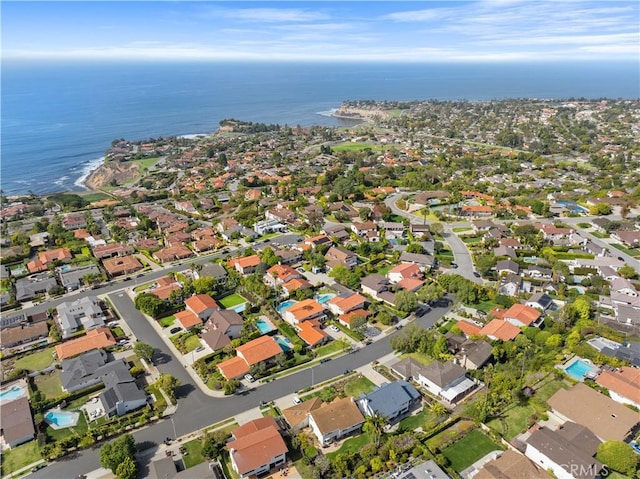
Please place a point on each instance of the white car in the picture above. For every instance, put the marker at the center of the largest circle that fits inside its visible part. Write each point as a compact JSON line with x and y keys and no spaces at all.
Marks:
{"x":249,"y":378}
{"x":334,"y":328}
{"x":297,"y":400}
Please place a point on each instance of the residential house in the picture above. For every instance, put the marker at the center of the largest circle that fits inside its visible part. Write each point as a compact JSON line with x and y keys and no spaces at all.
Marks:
{"x":297,"y":416}
{"x":304,"y":311}
{"x":262,"y":349}
{"x":23,"y":333}
{"x":446,"y":380}
{"x":112,"y":249}
{"x":468,"y":353}
{"x":424,"y":470}
{"x":337,"y":256}
{"x":567,"y":453}
{"x":166,"y":468}
{"x":269,"y":226}
{"x":631,"y":239}
{"x":311,"y":333}
{"x":393,"y":230}
{"x":222,"y":326}
{"x":74,"y":221}
{"x":279,"y":274}
{"x":352,"y":317}
{"x":94,"y":339}
{"x":420,"y":231}
{"x":505,"y":251}
{"x":338,"y":232}
{"x":212,"y":270}
{"x":374,"y":285}
{"x":540,"y":301}
{"x":499,"y":329}
{"x":522,"y":315}
{"x":342,"y":209}
{"x":17,"y":422}
{"x":512,"y":465}
{"x":294,"y":285}
{"x":172,"y":253}
{"x":507,"y":266}
{"x":288,"y":256}
{"x":407,"y":368}
{"x":45,"y":258}
{"x":362,"y":229}
{"x":344,"y":304}
{"x":389,"y":400}
{"x":424,"y":261}
{"x":84,"y":313}
{"x":281,"y":214}
{"x":202,"y":305}
{"x":510,"y":285}
{"x":319,"y":240}
{"x":607,"y":419}
{"x":623,"y":385}
{"x":121,"y":265}
{"x":34,"y":285}
{"x":257,"y":447}
{"x":404,"y":271}
{"x":245,"y":265}
{"x":121,"y":395}
{"x":188,"y":319}
{"x":335,"y":420}
{"x":71,"y":278}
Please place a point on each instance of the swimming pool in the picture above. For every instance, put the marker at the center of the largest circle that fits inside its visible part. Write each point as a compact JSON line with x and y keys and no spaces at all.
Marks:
{"x":14,"y":393}
{"x":61,"y":419}
{"x":580,"y":368}
{"x":573,"y":207}
{"x":239,"y":308}
{"x":284,"y":343}
{"x":287,"y":304}
{"x":324,"y":298}
{"x":264,"y":325}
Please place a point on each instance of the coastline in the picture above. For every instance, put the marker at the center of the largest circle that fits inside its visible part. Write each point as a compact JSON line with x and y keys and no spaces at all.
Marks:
{"x":89,"y":169}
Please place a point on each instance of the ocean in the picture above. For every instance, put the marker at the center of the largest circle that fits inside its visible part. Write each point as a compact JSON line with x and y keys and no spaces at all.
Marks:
{"x":57,"y":119}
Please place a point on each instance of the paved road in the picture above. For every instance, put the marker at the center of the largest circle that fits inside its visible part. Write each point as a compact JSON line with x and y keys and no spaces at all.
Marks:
{"x":461,"y":254}
{"x":195,"y":409}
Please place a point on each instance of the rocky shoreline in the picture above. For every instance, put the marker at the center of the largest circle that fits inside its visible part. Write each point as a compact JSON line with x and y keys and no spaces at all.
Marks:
{"x":110,"y":172}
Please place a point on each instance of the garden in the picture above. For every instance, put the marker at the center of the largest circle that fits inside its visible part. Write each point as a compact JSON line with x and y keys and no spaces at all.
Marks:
{"x":464,"y":452}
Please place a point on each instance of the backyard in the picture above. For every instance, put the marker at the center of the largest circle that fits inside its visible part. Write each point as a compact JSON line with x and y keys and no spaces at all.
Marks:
{"x":19,"y":457}
{"x":36,"y":361}
{"x":425,"y":419}
{"x":193,"y":455}
{"x":231,"y":301}
{"x":186,"y":342}
{"x":49,"y":384}
{"x":469,"y":449}
{"x":351,"y":445}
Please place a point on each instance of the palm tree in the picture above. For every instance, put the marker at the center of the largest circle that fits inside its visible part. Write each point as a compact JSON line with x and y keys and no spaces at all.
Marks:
{"x":374,"y":425}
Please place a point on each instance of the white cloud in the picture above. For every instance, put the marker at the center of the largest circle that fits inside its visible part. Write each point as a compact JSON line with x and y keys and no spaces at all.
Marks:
{"x":269,"y":15}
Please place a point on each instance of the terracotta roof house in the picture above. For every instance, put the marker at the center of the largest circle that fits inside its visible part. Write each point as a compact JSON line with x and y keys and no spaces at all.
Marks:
{"x":522,"y":315}
{"x":121,"y":265}
{"x":404,"y":271}
{"x":567,"y":452}
{"x":279,"y":274}
{"x":188,"y":319}
{"x":233,"y":368}
{"x":500,"y":329}
{"x":349,"y":318}
{"x":310,"y":333}
{"x":112,"y":249}
{"x":259,"y":350}
{"x":294,"y":285}
{"x":342,"y":305}
{"x":335,"y":420}
{"x":165,"y":286}
{"x":467,"y":328}
{"x":411,"y":284}
{"x":17,"y":422}
{"x":623,"y":385}
{"x":338,"y":256}
{"x":361,"y":229}
{"x":202,"y":305}
{"x":511,"y":465}
{"x":172,"y":253}
{"x":47,"y":257}
{"x":245,"y":265}
{"x":94,"y":339}
{"x":446,"y":380}
{"x":304,"y":311}
{"x":607,"y":419}
{"x":257,"y":447}
{"x":297,"y":416}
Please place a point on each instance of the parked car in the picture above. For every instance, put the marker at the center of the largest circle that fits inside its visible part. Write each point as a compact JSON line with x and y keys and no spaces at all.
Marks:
{"x":249,"y":378}
{"x":199,"y":348}
{"x":175,"y":330}
{"x":297,"y":400}
{"x":454,"y":265}
{"x":325,"y":360}
{"x":347,"y":371}
{"x":334,"y":328}
{"x":476,"y":274}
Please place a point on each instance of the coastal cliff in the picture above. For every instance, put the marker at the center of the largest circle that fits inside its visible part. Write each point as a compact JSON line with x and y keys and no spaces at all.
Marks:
{"x":112,"y":173}
{"x":361,"y":111}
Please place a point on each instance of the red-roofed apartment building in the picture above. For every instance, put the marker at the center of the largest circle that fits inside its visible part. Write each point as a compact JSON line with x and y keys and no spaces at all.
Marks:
{"x":257,"y":447}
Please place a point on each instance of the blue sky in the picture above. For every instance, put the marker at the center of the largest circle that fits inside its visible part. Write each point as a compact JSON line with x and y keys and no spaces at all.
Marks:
{"x":463,"y":31}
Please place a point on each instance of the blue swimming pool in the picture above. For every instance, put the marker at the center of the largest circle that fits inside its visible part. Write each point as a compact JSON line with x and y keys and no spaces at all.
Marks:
{"x":579,"y":369}
{"x":324,"y":298}
{"x":239,"y":308}
{"x":284,"y":343}
{"x":573,"y":207}
{"x":14,"y":393}
{"x":61,"y":419}
{"x":264,"y":325}
{"x":287,"y":304}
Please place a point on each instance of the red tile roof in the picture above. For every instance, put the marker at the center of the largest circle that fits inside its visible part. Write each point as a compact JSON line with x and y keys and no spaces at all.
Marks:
{"x":311,"y":333}
{"x":257,"y":445}
{"x":233,"y":368}
{"x":94,"y":339}
{"x":258,"y":350}
{"x":188,"y":319}
{"x":200,"y":303}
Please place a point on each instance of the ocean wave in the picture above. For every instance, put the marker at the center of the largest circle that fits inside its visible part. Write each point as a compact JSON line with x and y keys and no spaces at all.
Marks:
{"x":60,"y":181}
{"x":87,"y":168}
{"x":327,"y":113}
{"x":194,"y":136}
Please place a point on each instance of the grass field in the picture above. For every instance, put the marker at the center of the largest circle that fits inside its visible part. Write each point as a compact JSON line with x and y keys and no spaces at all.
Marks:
{"x":356,"y":146}
{"x":49,"y":384}
{"x":357,"y":386}
{"x":631,"y":252}
{"x":146,"y":162}
{"x":95,"y":196}
{"x":462,"y":229}
{"x":194,"y":453}
{"x":331,"y":348}
{"x":513,"y":421}
{"x":19,"y":457}
{"x":351,"y":445}
{"x":424,"y":417}
{"x":167,"y":321}
{"x":36,"y":361}
{"x":231,"y":301}
{"x":469,"y":449}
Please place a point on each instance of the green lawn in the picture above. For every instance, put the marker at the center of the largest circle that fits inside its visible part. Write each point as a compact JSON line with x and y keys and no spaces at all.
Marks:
{"x":36,"y":361}
{"x":513,"y":421}
{"x":356,"y":146}
{"x":79,"y":430}
{"x":461,"y":229}
{"x":421,"y":358}
{"x":146,"y":162}
{"x":231,"y":301}
{"x":351,"y":445}
{"x":597,"y":234}
{"x":194,"y":453}
{"x":631,"y":252}
{"x":331,"y":348}
{"x":49,"y":384}
{"x":471,"y":240}
{"x":550,"y":388}
{"x":422,"y":419}
{"x":485,"y":306}
{"x":469,"y":449}
{"x":358,"y":385}
{"x":118,"y":332}
{"x":94,"y":196}
{"x":167,"y":321}
{"x":19,"y":457}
